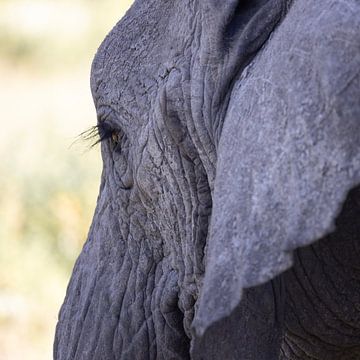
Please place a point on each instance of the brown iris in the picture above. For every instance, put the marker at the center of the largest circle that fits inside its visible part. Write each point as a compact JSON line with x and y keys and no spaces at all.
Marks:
{"x":115,"y":137}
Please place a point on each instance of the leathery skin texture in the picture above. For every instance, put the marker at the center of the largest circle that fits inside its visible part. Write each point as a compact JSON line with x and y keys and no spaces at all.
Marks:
{"x":228,"y":220}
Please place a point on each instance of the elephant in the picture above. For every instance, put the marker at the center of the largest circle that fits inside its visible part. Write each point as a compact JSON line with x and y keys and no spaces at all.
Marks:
{"x":227,"y":224}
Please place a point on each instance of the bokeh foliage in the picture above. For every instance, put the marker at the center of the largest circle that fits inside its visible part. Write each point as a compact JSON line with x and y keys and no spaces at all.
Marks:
{"x":48,"y":180}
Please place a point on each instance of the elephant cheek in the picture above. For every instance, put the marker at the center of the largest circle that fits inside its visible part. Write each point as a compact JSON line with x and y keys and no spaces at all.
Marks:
{"x":148,"y":181}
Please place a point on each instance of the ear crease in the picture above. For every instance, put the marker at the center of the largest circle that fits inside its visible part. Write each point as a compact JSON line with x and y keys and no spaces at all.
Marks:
{"x":242,"y":26}
{"x":239,"y":14}
{"x":252,"y":24}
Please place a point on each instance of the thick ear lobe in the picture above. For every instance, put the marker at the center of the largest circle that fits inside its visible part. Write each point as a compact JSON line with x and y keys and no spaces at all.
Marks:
{"x":289,"y":153}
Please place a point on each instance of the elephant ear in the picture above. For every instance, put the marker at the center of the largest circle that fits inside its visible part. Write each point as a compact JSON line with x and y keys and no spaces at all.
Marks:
{"x":288,"y":155}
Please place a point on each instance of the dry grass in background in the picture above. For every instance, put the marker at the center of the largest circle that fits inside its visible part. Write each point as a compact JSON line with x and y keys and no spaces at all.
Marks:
{"x":48,"y":188}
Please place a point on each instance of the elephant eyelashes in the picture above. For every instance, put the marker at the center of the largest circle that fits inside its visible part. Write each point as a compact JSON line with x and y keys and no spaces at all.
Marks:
{"x":103,"y":132}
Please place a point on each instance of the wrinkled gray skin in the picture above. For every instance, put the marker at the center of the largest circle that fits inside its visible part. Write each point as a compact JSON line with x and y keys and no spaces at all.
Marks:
{"x":228,"y":219}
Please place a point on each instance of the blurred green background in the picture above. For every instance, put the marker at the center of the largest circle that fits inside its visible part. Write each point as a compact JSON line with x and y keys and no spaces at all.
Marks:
{"x":48,"y":180}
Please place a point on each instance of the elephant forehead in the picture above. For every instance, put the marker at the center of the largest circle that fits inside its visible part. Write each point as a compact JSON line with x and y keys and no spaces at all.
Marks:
{"x":133,"y":60}
{"x":121,"y":68}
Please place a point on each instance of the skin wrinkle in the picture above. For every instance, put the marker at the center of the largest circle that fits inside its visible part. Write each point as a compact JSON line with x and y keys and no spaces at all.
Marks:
{"x":289,"y":296}
{"x":159,"y":284}
{"x":85,"y":312}
{"x":299,"y":345}
{"x":175,"y":180}
{"x":207,"y":156}
{"x":341,"y":335}
{"x":188,"y":222}
{"x":311,"y":299}
{"x":328,"y":308}
{"x":197,"y":106}
{"x":351,"y":274}
{"x":307,"y":335}
{"x":191,"y":128}
{"x":344,"y":267}
{"x":184,"y":247}
{"x":164,"y":110}
{"x":343,"y":295}
{"x":194,"y":217}
{"x":282,"y":353}
{"x":198,"y":136}
{"x":287,"y":348}
{"x":123,"y":293}
{"x":187,"y":267}
{"x":165,"y":313}
{"x":291,"y":353}
{"x":133,"y":321}
{"x":119,"y":300}
{"x":304,"y":354}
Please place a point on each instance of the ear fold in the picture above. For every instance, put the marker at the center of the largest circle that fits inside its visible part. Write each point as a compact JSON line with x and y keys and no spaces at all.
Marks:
{"x":234,"y":31}
{"x":288,"y":155}
{"x":240,"y":27}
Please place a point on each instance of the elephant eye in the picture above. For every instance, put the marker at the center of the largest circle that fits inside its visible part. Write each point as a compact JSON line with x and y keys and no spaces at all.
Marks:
{"x":115,"y":137}
{"x":103,"y":132}
{"x":107,"y":132}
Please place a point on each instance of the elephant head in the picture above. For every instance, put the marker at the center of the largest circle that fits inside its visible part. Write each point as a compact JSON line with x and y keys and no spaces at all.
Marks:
{"x":230,"y":138}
